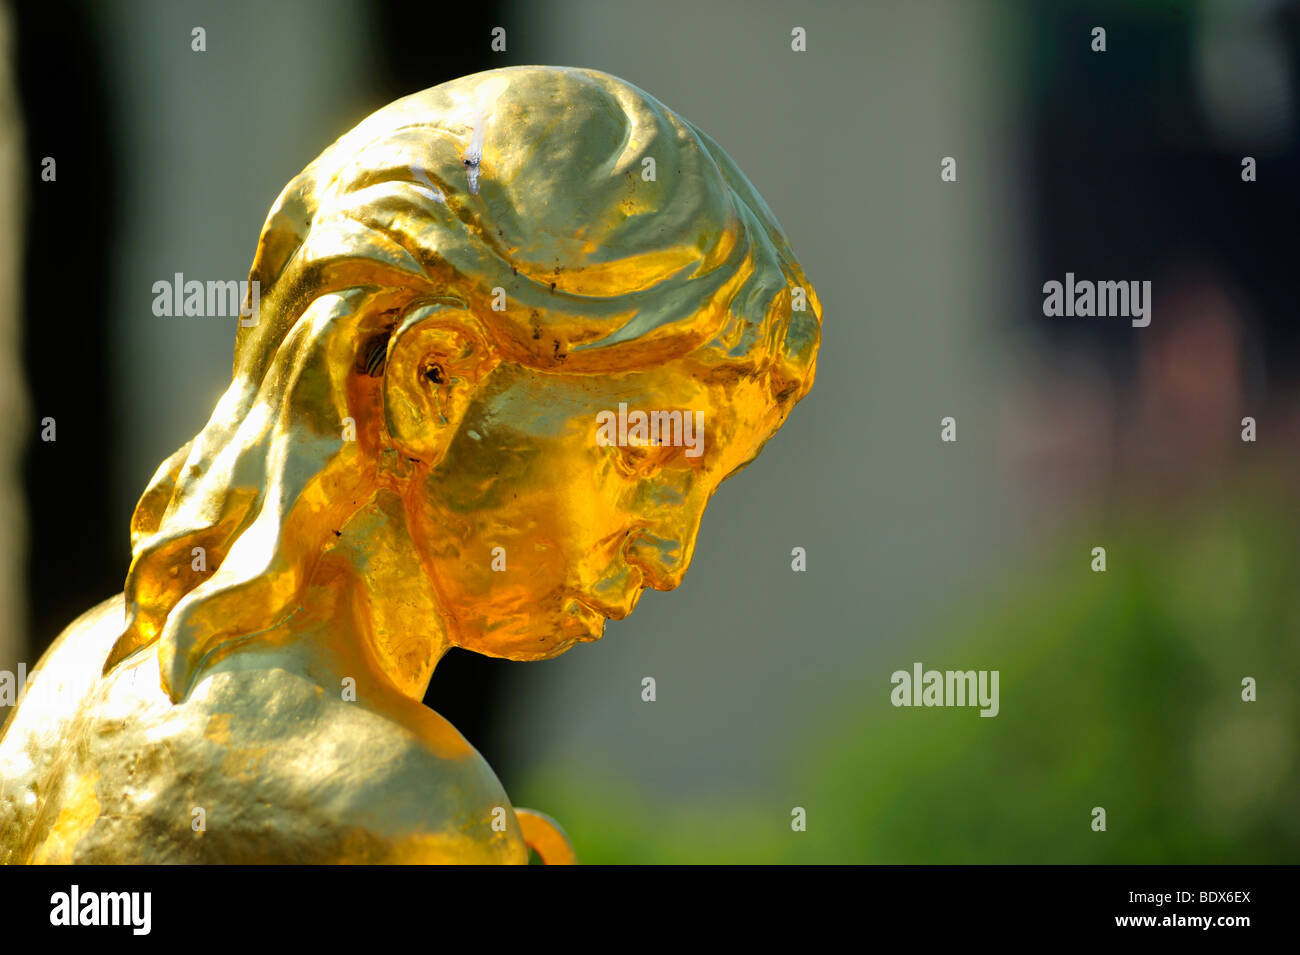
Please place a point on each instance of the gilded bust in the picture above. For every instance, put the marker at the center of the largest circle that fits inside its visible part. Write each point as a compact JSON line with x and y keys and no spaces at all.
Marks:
{"x":454,"y":298}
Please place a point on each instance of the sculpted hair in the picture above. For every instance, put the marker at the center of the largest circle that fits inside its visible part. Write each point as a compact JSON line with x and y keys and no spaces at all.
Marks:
{"x":528,"y":182}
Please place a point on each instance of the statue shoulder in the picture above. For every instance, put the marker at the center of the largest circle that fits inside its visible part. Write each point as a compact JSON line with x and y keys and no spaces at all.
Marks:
{"x":39,"y":727}
{"x":263,"y":764}
{"x":397,"y":782}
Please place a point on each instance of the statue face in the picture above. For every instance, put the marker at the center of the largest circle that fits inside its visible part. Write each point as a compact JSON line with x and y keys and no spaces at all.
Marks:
{"x":535,"y":527}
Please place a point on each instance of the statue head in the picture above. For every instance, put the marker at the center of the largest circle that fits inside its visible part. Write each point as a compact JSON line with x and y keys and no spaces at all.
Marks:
{"x":513,"y":332}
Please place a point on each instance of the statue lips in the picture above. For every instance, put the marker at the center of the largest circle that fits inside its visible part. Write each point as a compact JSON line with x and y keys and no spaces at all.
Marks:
{"x":626,"y":583}
{"x":607,"y":610}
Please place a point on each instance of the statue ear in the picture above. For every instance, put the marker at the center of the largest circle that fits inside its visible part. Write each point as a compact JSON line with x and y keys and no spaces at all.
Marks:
{"x":437,"y":358}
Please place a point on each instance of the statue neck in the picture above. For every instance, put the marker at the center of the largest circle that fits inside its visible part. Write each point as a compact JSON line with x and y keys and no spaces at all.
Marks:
{"x":369,"y":592}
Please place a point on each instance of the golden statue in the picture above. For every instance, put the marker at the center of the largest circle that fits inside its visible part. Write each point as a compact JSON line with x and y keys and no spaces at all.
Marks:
{"x":513,"y":331}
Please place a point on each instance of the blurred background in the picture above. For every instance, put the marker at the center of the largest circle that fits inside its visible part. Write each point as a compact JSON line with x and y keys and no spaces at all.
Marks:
{"x":1119,"y":689}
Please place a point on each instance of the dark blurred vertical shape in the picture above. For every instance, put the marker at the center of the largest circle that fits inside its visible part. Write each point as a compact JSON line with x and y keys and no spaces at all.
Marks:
{"x":1133,"y":178}
{"x":15,"y":416}
{"x":74,"y":558}
{"x":415,"y":49}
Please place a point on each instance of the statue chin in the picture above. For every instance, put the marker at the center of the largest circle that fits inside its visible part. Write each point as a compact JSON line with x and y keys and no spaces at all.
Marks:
{"x":544,"y":638}
{"x":418,"y":449}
